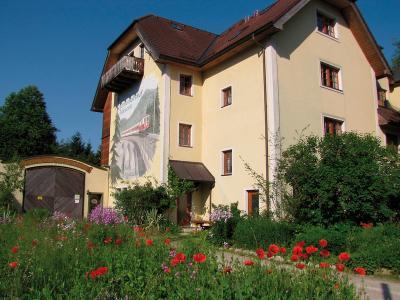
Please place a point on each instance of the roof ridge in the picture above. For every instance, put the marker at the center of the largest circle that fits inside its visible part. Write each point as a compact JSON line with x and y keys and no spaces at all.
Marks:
{"x":186,"y":25}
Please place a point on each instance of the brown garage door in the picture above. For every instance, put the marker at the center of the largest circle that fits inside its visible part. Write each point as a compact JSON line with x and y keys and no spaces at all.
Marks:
{"x":55,"y":188}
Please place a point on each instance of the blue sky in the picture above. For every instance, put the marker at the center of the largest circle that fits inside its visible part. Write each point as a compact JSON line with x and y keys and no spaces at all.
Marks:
{"x":60,"y":46}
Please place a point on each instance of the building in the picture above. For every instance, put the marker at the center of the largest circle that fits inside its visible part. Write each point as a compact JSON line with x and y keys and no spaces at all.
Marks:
{"x":204,"y":104}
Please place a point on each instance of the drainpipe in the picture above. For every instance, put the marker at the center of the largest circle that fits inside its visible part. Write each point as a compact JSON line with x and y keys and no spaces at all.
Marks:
{"x":265,"y":119}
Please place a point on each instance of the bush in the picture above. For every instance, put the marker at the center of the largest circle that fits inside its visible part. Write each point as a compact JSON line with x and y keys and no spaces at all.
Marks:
{"x":137,"y":200}
{"x":344,"y":178}
{"x":260,"y":231}
{"x":224,"y":219}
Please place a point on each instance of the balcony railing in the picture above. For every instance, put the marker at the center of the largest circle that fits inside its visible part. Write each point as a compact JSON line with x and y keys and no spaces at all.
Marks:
{"x":125,"y":72}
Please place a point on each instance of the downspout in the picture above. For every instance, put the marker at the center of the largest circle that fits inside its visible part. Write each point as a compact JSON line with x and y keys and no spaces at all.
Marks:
{"x":266,"y":138}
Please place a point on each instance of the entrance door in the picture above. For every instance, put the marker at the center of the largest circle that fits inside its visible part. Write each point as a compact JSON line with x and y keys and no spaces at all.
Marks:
{"x":94,"y":200}
{"x":253,"y":203}
{"x":56,"y":189}
{"x":184,"y":209}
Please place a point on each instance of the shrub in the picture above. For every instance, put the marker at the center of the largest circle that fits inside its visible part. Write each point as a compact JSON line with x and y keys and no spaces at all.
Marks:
{"x":107,"y":216}
{"x":260,"y":231}
{"x":135,"y":201}
{"x":224,"y":219}
{"x":344,"y":178}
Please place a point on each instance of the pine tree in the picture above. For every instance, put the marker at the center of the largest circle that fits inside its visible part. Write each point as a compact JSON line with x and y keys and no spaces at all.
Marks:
{"x":25,"y":126}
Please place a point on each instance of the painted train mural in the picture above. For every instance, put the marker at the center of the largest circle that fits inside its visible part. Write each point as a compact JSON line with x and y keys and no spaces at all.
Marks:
{"x":137,"y":130}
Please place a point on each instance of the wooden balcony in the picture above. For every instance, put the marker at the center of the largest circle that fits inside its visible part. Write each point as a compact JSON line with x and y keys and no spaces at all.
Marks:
{"x":123,"y":74}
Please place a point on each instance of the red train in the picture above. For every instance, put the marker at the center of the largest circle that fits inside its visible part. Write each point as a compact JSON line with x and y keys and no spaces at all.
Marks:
{"x":139,"y":127}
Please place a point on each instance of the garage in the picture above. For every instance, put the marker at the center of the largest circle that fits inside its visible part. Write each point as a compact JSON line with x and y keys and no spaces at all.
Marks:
{"x":55,"y":188}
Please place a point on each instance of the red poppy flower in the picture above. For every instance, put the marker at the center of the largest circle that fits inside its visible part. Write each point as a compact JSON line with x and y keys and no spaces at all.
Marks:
{"x":248,"y":262}
{"x":199,"y":257}
{"x":181,"y":257}
{"x":294,"y":257}
{"x":324,"y":265}
{"x":283,"y":250}
{"x":360,"y":271}
{"x":167,"y":241}
{"x":15,"y":249}
{"x":324,"y":253}
{"x":300,"y":266}
{"x":174,"y":261}
{"x":297,"y":250}
{"x":13,"y":264}
{"x":344,"y":256}
{"x":340,"y":267}
{"x":301,"y":244}
{"x":260,"y":253}
{"x":270,"y":254}
{"x":311,"y":249}
{"x":227,"y":269}
{"x":336,"y":286}
{"x":274,"y":249}
{"x":118,"y":242}
{"x":323,"y":243}
{"x":35,"y":243}
{"x":303,"y":256}
{"x":98,"y":272}
{"x":137,"y":229}
{"x":149,"y":242}
{"x":108,"y":240}
{"x":366,"y":225}
{"x":90,"y":245}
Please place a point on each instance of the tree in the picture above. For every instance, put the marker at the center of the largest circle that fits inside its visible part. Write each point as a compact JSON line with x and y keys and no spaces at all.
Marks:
{"x":75,"y":147}
{"x":396,"y":56}
{"x":25,"y":127}
{"x":344,"y":178}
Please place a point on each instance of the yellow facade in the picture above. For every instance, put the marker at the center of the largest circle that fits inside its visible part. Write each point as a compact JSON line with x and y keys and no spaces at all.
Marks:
{"x":276,"y":84}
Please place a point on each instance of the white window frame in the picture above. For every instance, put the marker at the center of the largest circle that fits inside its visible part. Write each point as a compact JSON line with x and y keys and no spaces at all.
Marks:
{"x":191,"y":134}
{"x":191,"y":88}
{"x":222,"y":161}
{"x":323,"y":116}
{"x":330,"y":16}
{"x":221,"y":100}
{"x":340,"y":76}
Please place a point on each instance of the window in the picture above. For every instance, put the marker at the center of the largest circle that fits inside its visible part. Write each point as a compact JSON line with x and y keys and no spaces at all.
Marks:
{"x":392,"y":142}
{"x":227,"y":162}
{"x":326,"y":25}
{"x":330,"y":76}
{"x":253,"y":203}
{"x":227,"y":96}
{"x":185,"y":85}
{"x":381,"y":96}
{"x":333,"y":126}
{"x":141,"y":51}
{"x":185,"y":135}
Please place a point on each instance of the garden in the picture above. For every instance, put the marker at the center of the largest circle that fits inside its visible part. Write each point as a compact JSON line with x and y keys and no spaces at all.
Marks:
{"x":337,"y":217}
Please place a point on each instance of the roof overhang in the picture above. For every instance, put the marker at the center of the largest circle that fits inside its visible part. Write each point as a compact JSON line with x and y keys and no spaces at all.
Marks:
{"x":193,"y":171}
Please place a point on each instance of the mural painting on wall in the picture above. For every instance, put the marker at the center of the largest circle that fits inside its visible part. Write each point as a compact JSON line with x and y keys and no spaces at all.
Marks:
{"x":137,"y":130}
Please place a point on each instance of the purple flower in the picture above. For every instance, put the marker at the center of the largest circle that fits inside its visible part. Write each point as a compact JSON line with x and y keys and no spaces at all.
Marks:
{"x":221,"y":214}
{"x":107,"y":216}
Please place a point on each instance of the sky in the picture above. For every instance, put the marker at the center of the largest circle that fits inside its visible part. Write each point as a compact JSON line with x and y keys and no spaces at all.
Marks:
{"x":60,"y":46}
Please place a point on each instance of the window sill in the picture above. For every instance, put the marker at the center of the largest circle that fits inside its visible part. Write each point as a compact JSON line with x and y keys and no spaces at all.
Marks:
{"x":331,"y":89}
{"x":186,"y":95}
{"x":328,"y":36}
{"x":223,"y":106}
{"x":184,"y":146}
{"x":230,"y":174}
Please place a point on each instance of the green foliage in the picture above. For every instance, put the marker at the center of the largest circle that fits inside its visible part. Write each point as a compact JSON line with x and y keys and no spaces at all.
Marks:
{"x":260,"y":231}
{"x":76,"y":148}
{"x":58,"y":268}
{"x":11,"y":180}
{"x":26,"y":128}
{"x":345,"y":178}
{"x":222,"y":230}
{"x":373,"y":248}
{"x":178,"y":187}
{"x":396,"y":57}
{"x":135,"y":201}
{"x":37,"y":214}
